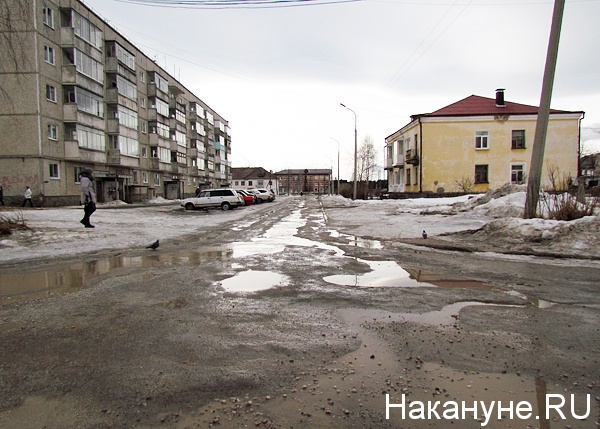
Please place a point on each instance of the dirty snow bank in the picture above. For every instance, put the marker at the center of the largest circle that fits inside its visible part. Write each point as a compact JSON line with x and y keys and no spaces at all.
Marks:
{"x":491,"y":221}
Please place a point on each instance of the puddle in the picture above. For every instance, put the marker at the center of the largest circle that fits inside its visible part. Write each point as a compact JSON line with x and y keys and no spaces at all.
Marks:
{"x":70,"y":278}
{"x":355,"y":241}
{"x":390,"y":274}
{"x":447,"y":315}
{"x":278,"y":237}
{"x":253,"y":281}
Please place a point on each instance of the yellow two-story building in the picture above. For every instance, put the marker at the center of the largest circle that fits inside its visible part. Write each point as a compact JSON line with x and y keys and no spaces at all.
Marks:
{"x":477,"y":144}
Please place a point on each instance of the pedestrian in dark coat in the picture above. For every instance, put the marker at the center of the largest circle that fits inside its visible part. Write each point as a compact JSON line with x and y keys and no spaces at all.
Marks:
{"x":1,"y":195}
{"x":88,"y":195}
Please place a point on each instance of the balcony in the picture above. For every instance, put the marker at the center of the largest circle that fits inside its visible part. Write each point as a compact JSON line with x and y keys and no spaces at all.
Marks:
{"x":112,"y":126}
{"x":412,"y":157}
{"x":157,"y":164}
{"x":113,"y":65}
{"x":388,"y":164}
{"x":71,"y":149}
{"x":398,"y":161}
{"x":114,"y":156}
{"x":155,"y":91}
{"x":178,"y":168}
{"x":70,"y":112}
{"x":157,"y":140}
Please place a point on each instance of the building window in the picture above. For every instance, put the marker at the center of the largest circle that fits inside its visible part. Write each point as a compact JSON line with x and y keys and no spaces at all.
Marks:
{"x":54,"y":171}
{"x":143,"y":102}
{"x":88,"y":66}
{"x":143,"y":127}
{"x":481,"y":140}
{"x":87,"y":31}
{"x":517,"y":173}
{"x":52,"y":131}
{"x":135,"y":176}
{"x":90,"y":138}
{"x":77,"y":171}
{"x":156,"y":179}
{"x":48,"y":17}
{"x":50,"y":93}
{"x":408,"y":177}
{"x":144,"y":152}
{"x":518,"y":139}
{"x":144,"y":177}
{"x":481,"y":174}
{"x":49,"y":54}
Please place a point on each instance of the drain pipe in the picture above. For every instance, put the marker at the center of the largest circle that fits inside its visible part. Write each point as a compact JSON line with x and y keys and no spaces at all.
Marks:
{"x":420,"y":155}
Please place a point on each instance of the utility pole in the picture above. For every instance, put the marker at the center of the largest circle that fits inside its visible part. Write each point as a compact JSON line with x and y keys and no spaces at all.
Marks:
{"x":541,"y":128}
{"x":355,"y":149}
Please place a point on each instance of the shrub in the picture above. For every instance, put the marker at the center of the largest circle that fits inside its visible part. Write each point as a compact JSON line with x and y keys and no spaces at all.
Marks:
{"x":564,"y":206}
{"x":10,"y":222}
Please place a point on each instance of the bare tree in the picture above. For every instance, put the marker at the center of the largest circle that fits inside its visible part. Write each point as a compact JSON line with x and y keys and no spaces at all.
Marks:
{"x":367,"y":156}
{"x":15,"y":21}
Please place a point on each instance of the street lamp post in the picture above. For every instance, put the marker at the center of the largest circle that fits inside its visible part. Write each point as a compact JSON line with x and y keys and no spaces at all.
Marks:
{"x":338,"y":175}
{"x":355,"y":148}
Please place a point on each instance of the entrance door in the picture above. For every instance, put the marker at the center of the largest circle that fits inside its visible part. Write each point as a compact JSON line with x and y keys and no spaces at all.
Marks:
{"x":172,"y":191}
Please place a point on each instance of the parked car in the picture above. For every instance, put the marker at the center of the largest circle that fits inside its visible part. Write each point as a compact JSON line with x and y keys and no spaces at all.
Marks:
{"x":263,"y":195}
{"x":249,"y":198}
{"x":209,"y":198}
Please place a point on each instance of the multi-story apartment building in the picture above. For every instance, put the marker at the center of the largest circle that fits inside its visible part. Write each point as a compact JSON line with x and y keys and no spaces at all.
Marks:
{"x":75,"y":93}
{"x":316,"y":181}
{"x":477,"y":144}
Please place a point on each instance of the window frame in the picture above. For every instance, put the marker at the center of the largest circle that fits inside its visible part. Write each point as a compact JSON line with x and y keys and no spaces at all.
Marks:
{"x":49,"y":55}
{"x":478,"y":173}
{"x":519,"y":139}
{"x":54,"y":171}
{"x":48,"y":17}
{"x":53,"y":132}
{"x":51,"y":96}
{"x":482,"y":140}
{"x":513,"y":171}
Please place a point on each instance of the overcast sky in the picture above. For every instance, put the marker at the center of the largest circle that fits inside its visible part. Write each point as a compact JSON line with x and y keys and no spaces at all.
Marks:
{"x":278,"y":75}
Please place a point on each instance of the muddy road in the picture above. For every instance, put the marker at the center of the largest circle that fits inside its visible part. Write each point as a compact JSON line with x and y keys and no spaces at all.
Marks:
{"x":284,"y":319}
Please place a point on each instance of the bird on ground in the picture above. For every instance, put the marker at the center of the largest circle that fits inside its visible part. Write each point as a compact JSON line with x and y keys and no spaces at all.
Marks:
{"x":153,"y":246}
{"x":424,"y":234}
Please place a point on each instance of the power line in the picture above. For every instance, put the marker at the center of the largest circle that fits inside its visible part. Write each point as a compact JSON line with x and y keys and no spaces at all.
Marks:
{"x":235,"y":4}
{"x":395,"y":77}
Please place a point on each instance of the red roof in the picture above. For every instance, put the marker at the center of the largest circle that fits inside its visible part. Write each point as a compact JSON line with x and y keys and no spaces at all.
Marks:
{"x":475,"y":105}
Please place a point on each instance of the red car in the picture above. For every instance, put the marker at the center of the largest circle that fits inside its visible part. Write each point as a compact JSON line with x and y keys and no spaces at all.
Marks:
{"x":248,"y":197}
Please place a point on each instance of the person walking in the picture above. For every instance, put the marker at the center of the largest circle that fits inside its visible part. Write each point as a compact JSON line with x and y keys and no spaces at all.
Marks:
{"x":27,"y":197}
{"x":88,"y":195}
{"x":1,"y":195}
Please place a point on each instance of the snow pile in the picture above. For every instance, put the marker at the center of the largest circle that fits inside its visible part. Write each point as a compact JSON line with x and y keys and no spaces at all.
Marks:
{"x":575,"y":238}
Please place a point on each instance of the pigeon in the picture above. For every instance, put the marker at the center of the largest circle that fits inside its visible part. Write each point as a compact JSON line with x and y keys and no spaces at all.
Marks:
{"x":153,"y":246}
{"x":424,"y":234}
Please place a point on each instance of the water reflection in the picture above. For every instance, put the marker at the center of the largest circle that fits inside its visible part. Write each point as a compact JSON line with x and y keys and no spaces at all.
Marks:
{"x":253,"y":281}
{"x":70,"y":278}
{"x":390,"y":274}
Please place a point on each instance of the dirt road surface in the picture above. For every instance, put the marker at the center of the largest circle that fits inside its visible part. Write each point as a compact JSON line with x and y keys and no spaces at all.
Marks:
{"x":286,"y":319}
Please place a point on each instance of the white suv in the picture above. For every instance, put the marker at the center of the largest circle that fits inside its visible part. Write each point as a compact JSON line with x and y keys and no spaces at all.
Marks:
{"x":224,"y":198}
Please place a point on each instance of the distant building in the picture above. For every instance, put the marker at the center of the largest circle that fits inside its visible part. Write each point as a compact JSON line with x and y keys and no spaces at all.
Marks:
{"x":590,"y":169}
{"x":316,"y":181}
{"x":477,"y":144}
{"x":253,"y":177}
{"x":82,"y":96}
